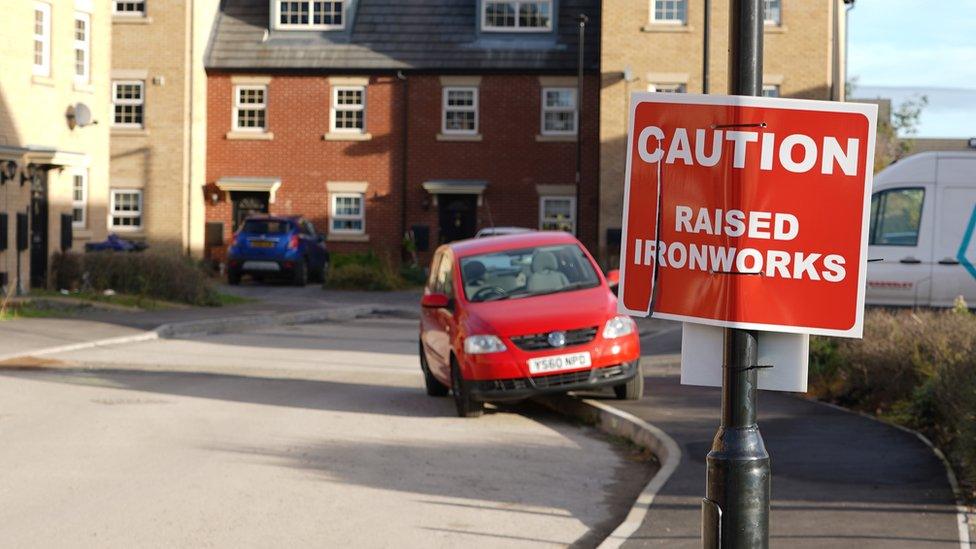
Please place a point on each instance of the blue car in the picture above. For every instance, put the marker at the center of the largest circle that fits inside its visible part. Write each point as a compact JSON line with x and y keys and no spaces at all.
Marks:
{"x":277,"y":246}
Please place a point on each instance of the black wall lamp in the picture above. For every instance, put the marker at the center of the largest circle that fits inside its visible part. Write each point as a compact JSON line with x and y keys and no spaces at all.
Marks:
{"x":8,"y":170}
{"x":28,"y":173}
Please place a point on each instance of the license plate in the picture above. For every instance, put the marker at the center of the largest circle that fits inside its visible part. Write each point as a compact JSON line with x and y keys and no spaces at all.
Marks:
{"x":262,"y":244}
{"x":557,"y":363}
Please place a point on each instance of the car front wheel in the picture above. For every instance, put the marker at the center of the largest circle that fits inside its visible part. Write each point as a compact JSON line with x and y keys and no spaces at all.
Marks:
{"x":466,"y":405}
{"x":633,"y":389}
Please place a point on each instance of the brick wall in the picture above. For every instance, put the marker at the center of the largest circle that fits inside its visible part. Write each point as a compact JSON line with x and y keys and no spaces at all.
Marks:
{"x":509,"y":155}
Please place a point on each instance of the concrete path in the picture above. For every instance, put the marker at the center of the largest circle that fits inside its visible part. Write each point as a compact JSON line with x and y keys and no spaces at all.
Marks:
{"x":302,"y":436}
{"x":839,"y":479}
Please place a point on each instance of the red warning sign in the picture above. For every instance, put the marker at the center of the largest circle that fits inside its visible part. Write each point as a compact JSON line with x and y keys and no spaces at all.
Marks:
{"x":747,"y":212}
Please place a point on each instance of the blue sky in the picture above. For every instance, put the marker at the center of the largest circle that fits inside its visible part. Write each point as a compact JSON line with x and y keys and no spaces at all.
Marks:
{"x":901,"y":48}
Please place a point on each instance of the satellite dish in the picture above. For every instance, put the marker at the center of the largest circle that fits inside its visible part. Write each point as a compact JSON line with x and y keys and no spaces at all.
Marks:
{"x":83,"y":115}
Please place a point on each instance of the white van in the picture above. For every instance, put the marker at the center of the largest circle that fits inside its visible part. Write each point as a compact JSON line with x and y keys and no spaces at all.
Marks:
{"x":923,"y":214}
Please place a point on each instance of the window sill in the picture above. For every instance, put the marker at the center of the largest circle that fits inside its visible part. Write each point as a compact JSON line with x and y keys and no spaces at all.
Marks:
{"x":459,"y":137}
{"x":347,"y":136}
{"x":543,"y":138}
{"x":42,"y":80}
{"x":250,"y":136}
{"x":129,"y":132}
{"x":83,"y":88}
{"x":664,"y":27}
{"x":774,"y":29}
{"x":339,"y":237}
{"x":131,"y":20}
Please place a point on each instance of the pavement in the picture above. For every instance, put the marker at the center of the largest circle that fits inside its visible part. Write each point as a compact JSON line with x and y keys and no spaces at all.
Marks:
{"x":311,"y":435}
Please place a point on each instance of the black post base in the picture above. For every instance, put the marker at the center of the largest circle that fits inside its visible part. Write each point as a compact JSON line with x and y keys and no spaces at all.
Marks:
{"x":738,"y":488}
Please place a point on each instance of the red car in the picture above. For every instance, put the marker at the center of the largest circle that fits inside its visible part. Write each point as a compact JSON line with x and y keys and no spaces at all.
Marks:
{"x":508,"y":317}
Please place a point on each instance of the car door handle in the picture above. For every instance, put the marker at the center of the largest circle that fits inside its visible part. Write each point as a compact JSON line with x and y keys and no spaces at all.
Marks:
{"x":911,"y":261}
{"x":948,"y":261}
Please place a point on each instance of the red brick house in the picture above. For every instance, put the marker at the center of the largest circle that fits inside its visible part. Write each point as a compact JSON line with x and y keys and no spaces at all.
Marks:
{"x":378,"y":117}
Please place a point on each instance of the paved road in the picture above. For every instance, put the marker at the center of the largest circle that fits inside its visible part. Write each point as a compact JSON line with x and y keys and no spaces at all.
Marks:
{"x":317,"y":435}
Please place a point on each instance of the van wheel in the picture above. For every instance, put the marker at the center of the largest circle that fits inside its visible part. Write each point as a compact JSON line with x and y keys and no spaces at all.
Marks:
{"x":633,"y":389}
{"x":466,"y":405}
{"x":434,"y":387}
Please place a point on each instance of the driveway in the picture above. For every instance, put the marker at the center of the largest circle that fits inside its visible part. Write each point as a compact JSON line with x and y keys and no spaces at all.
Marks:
{"x":313,"y":435}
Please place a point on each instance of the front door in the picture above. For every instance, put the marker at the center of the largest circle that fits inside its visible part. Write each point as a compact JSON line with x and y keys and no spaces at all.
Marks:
{"x":38,"y":230}
{"x":247,"y":203}
{"x":458,"y":216}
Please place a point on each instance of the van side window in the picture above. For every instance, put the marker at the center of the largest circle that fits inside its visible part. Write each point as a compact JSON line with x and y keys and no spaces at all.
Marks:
{"x":896,"y":215}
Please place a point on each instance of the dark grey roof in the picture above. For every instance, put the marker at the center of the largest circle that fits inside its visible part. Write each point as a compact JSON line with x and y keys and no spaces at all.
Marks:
{"x":437,"y":35}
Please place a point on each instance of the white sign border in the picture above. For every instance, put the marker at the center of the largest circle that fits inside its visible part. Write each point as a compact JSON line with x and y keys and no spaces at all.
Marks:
{"x":868,"y":110}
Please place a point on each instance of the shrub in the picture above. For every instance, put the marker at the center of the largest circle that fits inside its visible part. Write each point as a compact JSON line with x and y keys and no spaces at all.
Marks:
{"x":168,"y":277}
{"x":914,"y":368}
{"x":353,"y":276}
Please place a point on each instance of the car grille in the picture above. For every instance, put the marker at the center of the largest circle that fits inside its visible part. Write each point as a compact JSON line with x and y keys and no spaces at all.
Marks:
{"x":535,"y":342}
{"x":555,"y":380}
{"x":559,"y":380}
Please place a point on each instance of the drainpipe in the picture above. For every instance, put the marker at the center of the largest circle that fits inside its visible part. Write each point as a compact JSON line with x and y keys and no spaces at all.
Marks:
{"x":847,"y":41}
{"x":402,"y":77}
{"x":579,"y":126}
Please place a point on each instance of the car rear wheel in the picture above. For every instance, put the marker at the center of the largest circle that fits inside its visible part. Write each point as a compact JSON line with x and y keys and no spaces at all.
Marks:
{"x":466,"y":405}
{"x":434,"y":387}
{"x":300,"y":274}
{"x":633,"y":389}
{"x":233,"y":277}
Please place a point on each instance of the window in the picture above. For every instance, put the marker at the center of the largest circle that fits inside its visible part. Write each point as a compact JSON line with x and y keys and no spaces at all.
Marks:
{"x":348,"y":108}
{"x":42,"y":39}
{"x":557,"y":213}
{"x":516,"y":15}
{"x":79,"y":200}
{"x":673,"y":12}
{"x":128,"y":100}
{"x":770,"y":90}
{"x":135,"y":8}
{"x":126,"y":210}
{"x":667,"y":88}
{"x":82,"y":48}
{"x":250,"y":106}
{"x":309,"y":14}
{"x":895,"y":217}
{"x":460,"y":110}
{"x":347,"y":213}
{"x":771,"y":9}
{"x":559,"y":111}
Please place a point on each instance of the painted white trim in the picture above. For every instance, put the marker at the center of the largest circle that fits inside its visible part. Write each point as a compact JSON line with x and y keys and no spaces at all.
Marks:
{"x":83,"y":46}
{"x":869,"y":111}
{"x":515,"y":5}
{"x":141,"y":101}
{"x":80,"y":204}
{"x":553,"y":198}
{"x":237,"y":106}
{"x":473,"y":108}
{"x":545,"y":108}
{"x":333,"y":216}
{"x":138,"y":214}
{"x":117,"y":13}
{"x":652,"y":4}
{"x":334,"y":106}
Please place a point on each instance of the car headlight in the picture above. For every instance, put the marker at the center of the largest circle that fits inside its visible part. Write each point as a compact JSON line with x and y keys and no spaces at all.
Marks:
{"x":482,"y":344}
{"x":619,"y":326}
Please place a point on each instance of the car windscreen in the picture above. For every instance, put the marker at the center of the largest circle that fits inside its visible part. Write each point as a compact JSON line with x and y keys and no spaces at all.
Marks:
{"x":266,"y":226}
{"x":526,"y":272}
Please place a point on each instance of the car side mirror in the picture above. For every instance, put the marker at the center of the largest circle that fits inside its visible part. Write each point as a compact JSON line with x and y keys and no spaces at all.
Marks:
{"x":435,"y":301}
{"x":613,"y":277}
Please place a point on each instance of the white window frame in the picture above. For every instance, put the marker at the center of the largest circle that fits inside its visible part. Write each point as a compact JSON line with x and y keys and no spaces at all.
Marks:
{"x":44,"y":69}
{"x":516,"y":4}
{"x":141,"y":101}
{"x":473,"y":108}
{"x":337,"y":107}
{"x":83,"y":46}
{"x":249,"y":106}
{"x":655,"y":20}
{"x":128,"y":13}
{"x":779,"y":19}
{"x":81,"y":204}
{"x":553,"y":198}
{"x":574,"y":109}
{"x":136,"y":214}
{"x":771,"y":87}
{"x":668,"y":87}
{"x":278,"y":25}
{"x":333,"y":216}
